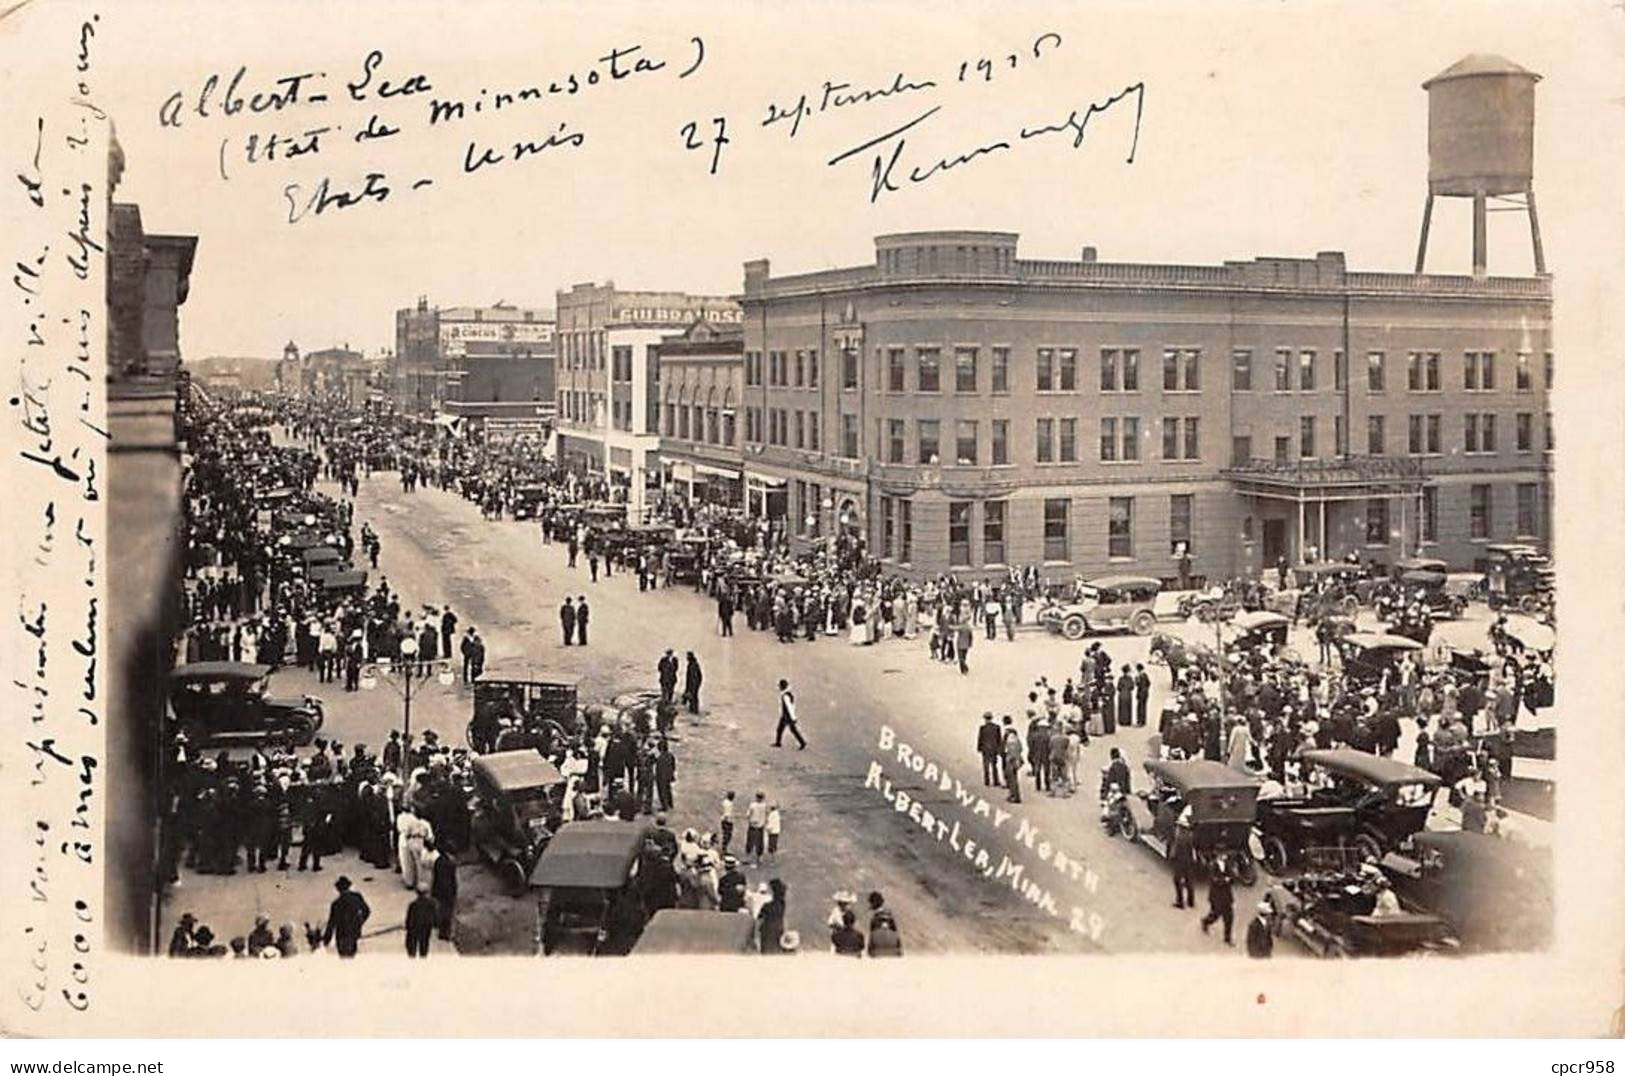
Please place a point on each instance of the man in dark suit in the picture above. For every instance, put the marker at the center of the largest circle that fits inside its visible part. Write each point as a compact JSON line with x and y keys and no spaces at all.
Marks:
{"x":988,"y":744}
{"x":582,"y":614}
{"x":443,"y":888}
{"x":345,"y":917}
{"x":666,"y":667}
{"x":1142,"y":694}
{"x":421,"y":916}
{"x":1221,"y":901}
{"x":567,"y":620}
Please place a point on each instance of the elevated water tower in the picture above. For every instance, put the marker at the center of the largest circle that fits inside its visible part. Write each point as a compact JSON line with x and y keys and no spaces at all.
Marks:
{"x":1481,"y":145}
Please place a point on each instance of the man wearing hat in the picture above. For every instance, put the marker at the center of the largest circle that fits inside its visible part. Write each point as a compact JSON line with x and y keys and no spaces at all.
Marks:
{"x":1261,"y":931}
{"x":731,"y":887}
{"x":345,"y":917}
{"x":180,"y":942}
{"x":988,"y":743}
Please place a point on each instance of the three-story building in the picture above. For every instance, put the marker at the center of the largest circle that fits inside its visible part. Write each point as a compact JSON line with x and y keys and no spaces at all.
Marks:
{"x":968,"y":410}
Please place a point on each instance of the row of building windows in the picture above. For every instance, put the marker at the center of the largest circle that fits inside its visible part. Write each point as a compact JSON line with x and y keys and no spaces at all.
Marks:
{"x":579,"y":405}
{"x":1055,"y":369}
{"x":1055,"y":440}
{"x":705,"y":425}
{"x":896,"y":537}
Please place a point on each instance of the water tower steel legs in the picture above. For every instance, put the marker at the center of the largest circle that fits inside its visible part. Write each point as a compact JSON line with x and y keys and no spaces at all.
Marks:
{"x":1534,"y":231}
{"x":1480,"y":233}
{"x":1422,"y":246}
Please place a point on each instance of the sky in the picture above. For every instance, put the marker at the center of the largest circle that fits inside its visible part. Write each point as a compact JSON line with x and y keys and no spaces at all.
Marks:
{"x":1266,"y":129}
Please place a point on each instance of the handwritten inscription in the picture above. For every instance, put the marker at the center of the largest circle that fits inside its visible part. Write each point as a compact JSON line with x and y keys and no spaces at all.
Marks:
{"x":305,"y":115}
{"x":57,"y":438}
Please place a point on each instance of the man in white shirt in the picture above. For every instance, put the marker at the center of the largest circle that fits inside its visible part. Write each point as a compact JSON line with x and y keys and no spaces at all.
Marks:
{"x":787,"y":717}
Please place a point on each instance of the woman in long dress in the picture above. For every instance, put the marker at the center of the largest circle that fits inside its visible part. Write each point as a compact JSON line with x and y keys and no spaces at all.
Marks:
{"x":859,"y":629}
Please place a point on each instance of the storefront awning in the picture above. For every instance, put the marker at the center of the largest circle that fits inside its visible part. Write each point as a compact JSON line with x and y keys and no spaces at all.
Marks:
{"x":766,"y":481}
{"x":719,"y":472}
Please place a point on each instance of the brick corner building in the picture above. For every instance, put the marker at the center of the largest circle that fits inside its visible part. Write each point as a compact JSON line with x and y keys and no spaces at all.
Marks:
{"x":968,"y":410}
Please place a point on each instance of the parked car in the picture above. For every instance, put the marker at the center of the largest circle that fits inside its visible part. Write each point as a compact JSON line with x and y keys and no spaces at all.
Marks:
{"x":1368,"y":654}
{"x":587,"y":881}
{"x":692,"y":931}
{"x":1109,"y":603}
{"x":228,"y":703}
{"x":1391,"y":799}
{"x":517,"y":804}
{"x":1222,"y":804}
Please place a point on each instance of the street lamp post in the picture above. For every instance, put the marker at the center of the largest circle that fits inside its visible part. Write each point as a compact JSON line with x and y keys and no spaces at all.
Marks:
{"x":409,"y":651}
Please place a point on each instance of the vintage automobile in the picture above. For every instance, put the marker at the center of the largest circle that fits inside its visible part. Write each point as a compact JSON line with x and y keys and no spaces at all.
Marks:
{"x":344,"y":581}
{"x":1496,"y":895}
{"x":1221,"y":801}
{"x":319,"y":555}
{"x":1517,"y":576}
{"x":1260,"y":629}
{"x":1109,"y":603}
{"x":1369,"y":654}
{"x":686,"y":557}
{"x":1335,"y":914}
{"x":1416,"y":564}
{"x":546,"y":706}
{"x":1438,"y":593}
{"x":227,"y":703}
{"x":1391,"y":800}
{"x":516,"y":807}
{"x":1290,"y":832}
{"x":527,"y":499}
{"x":587,"y":882}
{"x":696,"y":932}
{"x":1344,"y":583}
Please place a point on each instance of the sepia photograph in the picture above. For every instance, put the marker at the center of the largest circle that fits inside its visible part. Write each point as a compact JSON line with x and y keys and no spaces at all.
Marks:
{"x":1056,"y":487}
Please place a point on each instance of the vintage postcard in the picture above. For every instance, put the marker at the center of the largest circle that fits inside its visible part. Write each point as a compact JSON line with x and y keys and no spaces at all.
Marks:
{"x":517,"y":509}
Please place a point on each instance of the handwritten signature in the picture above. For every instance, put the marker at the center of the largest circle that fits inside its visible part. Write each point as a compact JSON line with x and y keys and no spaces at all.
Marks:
{"x":888,"y":171}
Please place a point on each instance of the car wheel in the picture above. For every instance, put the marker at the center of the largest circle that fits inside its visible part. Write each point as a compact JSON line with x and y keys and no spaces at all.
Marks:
{"x":1367,"y":847}
{"x":514,"y":876}
{"x":1128,"y":827}
{"x":1350,"y":605}
{"x":1074,"y":628}
{"x":1143,"y":622}
{"x":1275,"y":856}
{"x":1529,"y":603}
{"x":301,"y":732}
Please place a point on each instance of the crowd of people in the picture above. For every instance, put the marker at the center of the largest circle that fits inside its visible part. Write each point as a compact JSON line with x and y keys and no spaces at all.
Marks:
{"x":246,"y":599}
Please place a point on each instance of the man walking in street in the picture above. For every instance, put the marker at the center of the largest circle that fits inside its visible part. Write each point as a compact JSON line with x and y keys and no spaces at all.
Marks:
{"x":787,"y":717}
{"x":665,"y":774}
{"x":725,"y":613}
{"x":692,"y":678}
{"x":667,"y":669}
{"x":1183,"y":858}
{"x":448,"y":630}
{"x":1221,"y":901}
{"x":582,"y":614}
{"x":567,"y":620}
{"x":443,"y":888}
{"x":421,"y":916}
{"x":1012,"y":759}
{"x":988,"y":745}
{"x":1142,"y":694}
{"x":345,"y":918}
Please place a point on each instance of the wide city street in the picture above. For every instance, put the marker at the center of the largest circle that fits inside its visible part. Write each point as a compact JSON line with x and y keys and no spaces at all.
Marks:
{"x":887,"y":796}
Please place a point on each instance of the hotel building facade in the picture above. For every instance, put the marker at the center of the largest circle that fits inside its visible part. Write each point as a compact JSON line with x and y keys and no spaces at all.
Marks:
{"x":607,"y":379}
{"x":967,"y":410}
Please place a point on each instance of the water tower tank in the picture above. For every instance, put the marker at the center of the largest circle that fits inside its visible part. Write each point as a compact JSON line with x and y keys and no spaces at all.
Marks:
{"x":1481,"y":127}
